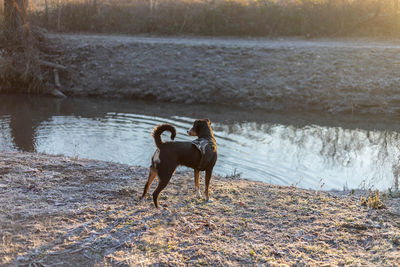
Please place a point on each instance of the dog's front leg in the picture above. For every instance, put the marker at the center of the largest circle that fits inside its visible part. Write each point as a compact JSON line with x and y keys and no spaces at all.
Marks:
{"x":197,"y":182}
{"x":206,"y":190}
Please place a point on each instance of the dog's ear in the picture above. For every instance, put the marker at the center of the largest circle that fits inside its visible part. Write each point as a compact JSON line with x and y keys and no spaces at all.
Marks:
{"x":208,"y":121}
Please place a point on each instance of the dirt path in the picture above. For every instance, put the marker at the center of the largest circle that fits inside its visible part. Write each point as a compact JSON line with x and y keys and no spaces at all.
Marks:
{"x":331,"y":75}
{"x":68,"y":211}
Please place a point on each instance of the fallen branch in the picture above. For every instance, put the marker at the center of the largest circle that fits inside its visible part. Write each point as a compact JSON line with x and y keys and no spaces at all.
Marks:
{"x":52,"y":65}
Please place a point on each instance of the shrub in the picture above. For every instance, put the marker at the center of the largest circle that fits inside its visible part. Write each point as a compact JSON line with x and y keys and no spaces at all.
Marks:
{"x":223,"y":17}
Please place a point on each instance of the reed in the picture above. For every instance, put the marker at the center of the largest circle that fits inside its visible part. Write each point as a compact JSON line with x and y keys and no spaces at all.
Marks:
{"x":310,"y":18}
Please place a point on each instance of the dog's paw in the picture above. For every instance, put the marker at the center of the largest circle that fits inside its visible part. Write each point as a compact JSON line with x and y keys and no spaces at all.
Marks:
{"x":198,"y":194}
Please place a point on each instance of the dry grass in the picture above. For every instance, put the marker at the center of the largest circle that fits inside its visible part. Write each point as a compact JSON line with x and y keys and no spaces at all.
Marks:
{"x":19,"y":54}
{"x":373,"y":201}
{"x":57,"y":210}
{"x":19,"y":64}
{"x":223,"y":17}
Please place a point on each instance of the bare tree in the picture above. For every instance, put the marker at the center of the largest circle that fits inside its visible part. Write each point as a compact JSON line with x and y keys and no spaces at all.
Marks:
{"x":22,"y":65}
{"x":14,"y":16}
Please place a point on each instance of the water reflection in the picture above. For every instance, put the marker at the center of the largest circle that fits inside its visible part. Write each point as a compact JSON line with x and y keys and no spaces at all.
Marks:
{"x":254,"y":144}
{"x":341,"y":157}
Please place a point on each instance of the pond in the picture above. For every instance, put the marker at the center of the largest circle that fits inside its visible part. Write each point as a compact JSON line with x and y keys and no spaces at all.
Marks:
{"x":308,"y":150}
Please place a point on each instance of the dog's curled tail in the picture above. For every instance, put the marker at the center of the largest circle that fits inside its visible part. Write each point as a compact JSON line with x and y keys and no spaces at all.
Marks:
{"x":159,"y":129}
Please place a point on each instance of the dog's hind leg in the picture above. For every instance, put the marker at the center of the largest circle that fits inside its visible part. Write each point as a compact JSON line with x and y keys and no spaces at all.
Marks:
{"x":164,"y":175}
{"x":207,"y":185}
{"x":197,"y":182}
{"x":150,"y":179}
{"x":156,"y":193}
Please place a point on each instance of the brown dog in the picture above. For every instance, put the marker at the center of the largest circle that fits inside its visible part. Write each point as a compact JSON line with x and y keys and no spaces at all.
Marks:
{"x":201,"y":155}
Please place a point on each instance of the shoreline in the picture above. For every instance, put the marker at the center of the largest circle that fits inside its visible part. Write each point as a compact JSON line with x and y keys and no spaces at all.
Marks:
{"x":57,"y":209}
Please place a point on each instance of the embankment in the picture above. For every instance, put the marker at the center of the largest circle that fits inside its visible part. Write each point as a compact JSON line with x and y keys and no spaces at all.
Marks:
{"x":335,"y":75}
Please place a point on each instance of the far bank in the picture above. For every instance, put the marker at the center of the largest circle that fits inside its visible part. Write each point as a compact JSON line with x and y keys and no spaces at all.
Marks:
{"x":330,"y":75}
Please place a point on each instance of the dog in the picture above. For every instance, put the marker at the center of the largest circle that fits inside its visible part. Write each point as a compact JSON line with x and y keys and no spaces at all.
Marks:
{"x":201,"y":155}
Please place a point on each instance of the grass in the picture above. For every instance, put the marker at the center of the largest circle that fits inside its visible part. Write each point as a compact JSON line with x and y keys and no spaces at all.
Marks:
{"x":373,"y":201}
{"x":310,"y":18}
{"x":54,"y":215}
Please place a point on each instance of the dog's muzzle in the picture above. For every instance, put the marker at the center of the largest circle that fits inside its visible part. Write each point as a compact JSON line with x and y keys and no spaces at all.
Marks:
{"x":191,"y":132}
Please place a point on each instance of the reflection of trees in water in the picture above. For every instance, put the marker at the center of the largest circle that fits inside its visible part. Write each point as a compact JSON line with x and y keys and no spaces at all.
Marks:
{"x":337,"y":146}
{"x":344,"y":144}
{"x":335,"y":143}
{"x":23,"y":119}
{"x":27,"y":113}
{"x":5,"y":134}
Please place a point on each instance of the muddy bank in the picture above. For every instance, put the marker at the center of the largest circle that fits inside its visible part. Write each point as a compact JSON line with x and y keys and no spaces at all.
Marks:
{"x":358,"y":76}
{"x":69,"y":211}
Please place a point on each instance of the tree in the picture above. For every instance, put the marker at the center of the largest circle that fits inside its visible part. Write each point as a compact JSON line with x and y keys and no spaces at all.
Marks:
{"x":21,"y":67}
{"x":14,"y":17}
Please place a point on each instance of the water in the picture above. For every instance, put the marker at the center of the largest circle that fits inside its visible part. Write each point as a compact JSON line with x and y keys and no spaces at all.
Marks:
{"x":292,"y":148}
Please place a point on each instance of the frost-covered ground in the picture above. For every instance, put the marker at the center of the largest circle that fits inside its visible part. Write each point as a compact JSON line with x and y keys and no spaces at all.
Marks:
{"x":65,"y":211}
{"x":339,"y":75}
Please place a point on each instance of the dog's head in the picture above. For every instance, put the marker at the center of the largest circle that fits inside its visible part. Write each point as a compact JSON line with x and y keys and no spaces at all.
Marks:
{"x":199,"y":126}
